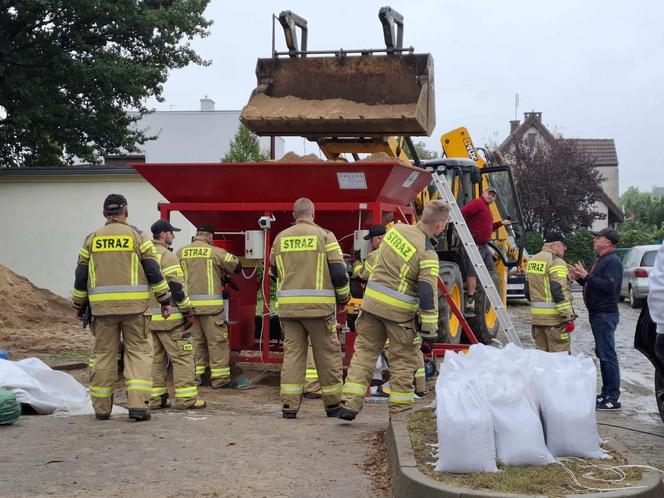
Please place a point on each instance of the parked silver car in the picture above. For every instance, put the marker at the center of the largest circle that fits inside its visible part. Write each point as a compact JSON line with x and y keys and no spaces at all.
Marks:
{"x":637,"y":265}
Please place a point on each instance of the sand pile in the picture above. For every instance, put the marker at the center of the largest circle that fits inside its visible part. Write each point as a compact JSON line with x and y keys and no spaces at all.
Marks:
{"x":263,"y":106}
{"x":36,"y":320}
{"x":292,"y":157}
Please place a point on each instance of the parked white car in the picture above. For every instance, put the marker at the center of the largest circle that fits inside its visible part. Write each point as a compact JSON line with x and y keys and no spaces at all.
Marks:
{"x":637,"y":265}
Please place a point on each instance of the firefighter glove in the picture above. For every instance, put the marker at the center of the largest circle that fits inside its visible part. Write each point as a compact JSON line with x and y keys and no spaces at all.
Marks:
{"x":569,"y":327}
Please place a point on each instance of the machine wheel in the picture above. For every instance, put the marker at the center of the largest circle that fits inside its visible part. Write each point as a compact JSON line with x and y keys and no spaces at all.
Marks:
{"x":659,"y":392}
{"x":485,"y":321}
{"x":634,"y":302}
{"x":449,"y":326}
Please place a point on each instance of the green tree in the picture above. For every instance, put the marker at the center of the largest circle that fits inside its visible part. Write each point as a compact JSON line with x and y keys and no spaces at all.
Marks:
{"x":245,"y":148}
{"x":534,"y":242}
{"x":71,"y":69}
{"x":558,"y":186}
{"x":643,"y":207}
{"x":580,"y":247}
{"x":422,"y":152}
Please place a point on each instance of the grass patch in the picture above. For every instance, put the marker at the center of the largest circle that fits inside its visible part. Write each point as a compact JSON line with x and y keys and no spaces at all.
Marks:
{"x":77,"y":355}
{"x":550,"y":480}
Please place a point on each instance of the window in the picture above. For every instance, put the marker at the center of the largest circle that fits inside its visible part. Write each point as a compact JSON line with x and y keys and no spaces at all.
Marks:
{"x":649,"y":258}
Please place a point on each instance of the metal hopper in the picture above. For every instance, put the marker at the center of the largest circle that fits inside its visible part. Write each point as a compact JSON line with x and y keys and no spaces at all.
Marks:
{"x":345,"y":93}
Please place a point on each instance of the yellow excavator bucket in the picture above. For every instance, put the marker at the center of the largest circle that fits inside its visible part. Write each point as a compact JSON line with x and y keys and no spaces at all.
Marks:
{"x":343,"y":95}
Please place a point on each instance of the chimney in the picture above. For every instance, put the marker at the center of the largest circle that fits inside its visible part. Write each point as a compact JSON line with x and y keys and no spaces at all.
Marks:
{"x":537,"y":116}
{"x":207,"y":104}
{"x":514,"y":124}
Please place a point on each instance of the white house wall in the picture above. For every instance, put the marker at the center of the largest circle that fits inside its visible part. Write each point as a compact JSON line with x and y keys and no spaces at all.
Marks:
{"x":194,"y":136}
{"x":44,"y":222}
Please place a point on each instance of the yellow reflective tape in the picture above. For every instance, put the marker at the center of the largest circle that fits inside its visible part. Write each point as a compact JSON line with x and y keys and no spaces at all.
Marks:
{"x":217,"y":373}
{"x":79,"y":293}
{"x":100,"y":392}
{"x":342,"y":290}
{"x":357,"y":267}
{"x":428,"y":263}
{"x":186,"y":392}
{"x":403,"y":283}
{"x":429,"y":317}
{"x":83,"y":253}
{"x":417,"y":340}
{"x":158,"y":391}
{"x":112,"y":243}
{"x":319,"y":270}
{"x":543,"y":311}
{"x":160,"y":287}
{"x":299,"y":243}
{"x":196,"y":252}
{"x":401,"y":398}
{"x":291,"y":388}
{"x":173,"y":316}
{"x":210,"y":277}
{"x":419,"y":373}
{"x":333,"y":246}
{"x":200,"y":369}
{"x":306,"y":300}
{"x":207,"y":302}
{"x":564,"y":336}
{"x":538,"y":267}
{"x":92,"y":276}
{"x":331,"y":390}
{"x":399,"y":244}
{"x":354,"y":388}
{"x":134,"y":269}
{"x":119,"y":296}
{"x":389,"y":300}
{"x":311,"y":374}
{"x":228,"y":257}
{"x":173,"y":269}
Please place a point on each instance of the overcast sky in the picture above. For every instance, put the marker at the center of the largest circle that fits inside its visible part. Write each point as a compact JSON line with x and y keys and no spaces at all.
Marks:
{"x":594,"y":68}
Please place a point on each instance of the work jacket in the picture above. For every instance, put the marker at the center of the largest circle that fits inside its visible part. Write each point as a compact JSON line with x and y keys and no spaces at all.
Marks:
{"x":548,"y":289}
{"x":204,"y":266}
{"x":310,"y":269}
{"x":363,"y":269}
{"x":170,"y":267}
{"x":404,"y":279}
{"x":117,"y":267}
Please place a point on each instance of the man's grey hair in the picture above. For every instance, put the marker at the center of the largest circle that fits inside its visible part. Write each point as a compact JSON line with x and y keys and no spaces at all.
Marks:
{"x":303,"y":208}
{"x":435,"y":211}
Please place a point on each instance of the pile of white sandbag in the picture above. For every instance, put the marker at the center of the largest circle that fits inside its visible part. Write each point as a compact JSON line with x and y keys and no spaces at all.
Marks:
{"x":520,"y":406}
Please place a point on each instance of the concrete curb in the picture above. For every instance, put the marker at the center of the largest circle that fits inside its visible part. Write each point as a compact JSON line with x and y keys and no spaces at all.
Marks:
{"x":409,"y":482}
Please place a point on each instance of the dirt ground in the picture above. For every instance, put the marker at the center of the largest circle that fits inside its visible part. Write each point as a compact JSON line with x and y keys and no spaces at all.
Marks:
{"x":241,"y":446}
{"x":238,"y":446}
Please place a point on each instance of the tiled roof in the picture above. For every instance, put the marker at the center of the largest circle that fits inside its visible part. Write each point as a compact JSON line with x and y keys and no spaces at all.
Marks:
{"x":601,"y":150}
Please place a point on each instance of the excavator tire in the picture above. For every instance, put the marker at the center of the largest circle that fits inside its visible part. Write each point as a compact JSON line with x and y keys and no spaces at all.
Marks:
{"x":449,"y":327}
{"x":485,"y":322}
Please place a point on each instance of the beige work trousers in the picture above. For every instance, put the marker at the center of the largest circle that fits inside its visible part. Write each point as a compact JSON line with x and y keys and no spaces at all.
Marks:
{"x":326,"y":353}
{"x":311,"y":383}
{"x":551,"y":338}
{"x":372,"y":331}
{"x":137,"y":361}
{"x":209,"y":336}
{"x":420,"y":373}
{"x":174,"y":345}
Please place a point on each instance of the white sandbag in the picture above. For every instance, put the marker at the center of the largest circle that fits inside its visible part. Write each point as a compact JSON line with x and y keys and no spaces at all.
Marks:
{"x":517,"y":425}
{"x":465,"y":426}
{"x":566,"y":391}
{"x":46,"y":390}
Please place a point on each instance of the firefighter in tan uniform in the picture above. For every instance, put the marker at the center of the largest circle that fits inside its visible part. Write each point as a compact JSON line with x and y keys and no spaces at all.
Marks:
{"x":117,"y":271}
{"x":204,"y":267}
{"x":548,"y":290}
{"x":170,"y":336}
{"x":362,"y":270}
{"x":311,"y":280}
{"x":402,"y":285}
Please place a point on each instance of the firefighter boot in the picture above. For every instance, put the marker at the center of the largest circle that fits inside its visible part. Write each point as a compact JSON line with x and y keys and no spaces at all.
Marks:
{"x":139,"y":414}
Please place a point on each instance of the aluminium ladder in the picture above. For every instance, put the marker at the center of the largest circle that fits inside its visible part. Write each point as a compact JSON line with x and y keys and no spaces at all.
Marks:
{"x":443,"y":188}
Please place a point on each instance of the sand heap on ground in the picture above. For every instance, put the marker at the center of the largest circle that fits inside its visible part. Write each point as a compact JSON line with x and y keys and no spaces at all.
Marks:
{"x":34,"y":320}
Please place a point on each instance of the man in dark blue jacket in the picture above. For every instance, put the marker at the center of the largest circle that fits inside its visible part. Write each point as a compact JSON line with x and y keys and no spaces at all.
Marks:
{"x":601,"y":290}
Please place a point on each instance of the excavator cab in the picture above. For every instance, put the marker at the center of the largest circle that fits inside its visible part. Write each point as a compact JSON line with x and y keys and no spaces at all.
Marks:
{"x":359,"y":96}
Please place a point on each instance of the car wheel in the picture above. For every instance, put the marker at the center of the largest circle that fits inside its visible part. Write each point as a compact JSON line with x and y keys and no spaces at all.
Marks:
{"x":634,"y":302}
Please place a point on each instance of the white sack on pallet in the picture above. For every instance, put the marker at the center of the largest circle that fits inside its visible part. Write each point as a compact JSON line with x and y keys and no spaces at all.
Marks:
{"x":517,"y":426}
{"x":566,"y":390}
{"x":465,"y":426}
